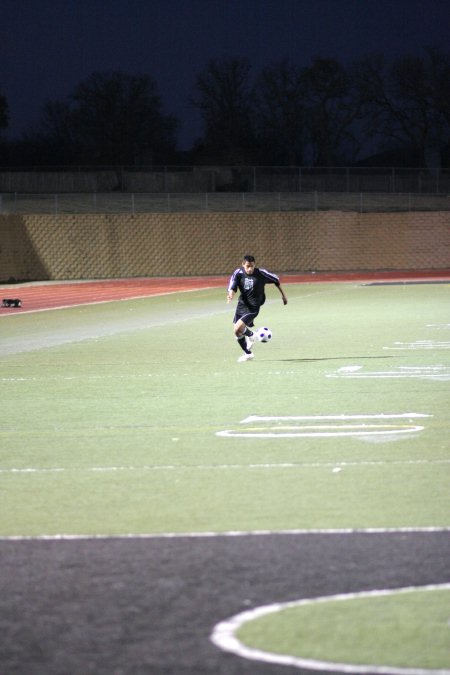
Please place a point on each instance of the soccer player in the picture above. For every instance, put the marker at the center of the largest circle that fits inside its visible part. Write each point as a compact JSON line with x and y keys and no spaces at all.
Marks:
{"x":251,"y":281}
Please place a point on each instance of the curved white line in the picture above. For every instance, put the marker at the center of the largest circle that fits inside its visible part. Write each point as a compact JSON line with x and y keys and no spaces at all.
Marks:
{"x":223,"y":635}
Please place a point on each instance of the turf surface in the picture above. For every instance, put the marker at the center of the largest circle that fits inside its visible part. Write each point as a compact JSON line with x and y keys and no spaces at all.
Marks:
{"x":112,"y":415}
{"x":134,"y":418}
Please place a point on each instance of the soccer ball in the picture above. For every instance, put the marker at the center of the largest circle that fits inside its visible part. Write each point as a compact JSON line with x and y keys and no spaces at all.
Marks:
{"x":264,"y":334}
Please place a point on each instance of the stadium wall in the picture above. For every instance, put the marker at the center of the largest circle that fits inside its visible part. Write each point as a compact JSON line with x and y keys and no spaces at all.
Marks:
{"x":100,"y":246}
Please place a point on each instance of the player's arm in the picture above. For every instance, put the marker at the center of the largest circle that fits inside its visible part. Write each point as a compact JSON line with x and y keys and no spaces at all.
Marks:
{"x":233,"y":285}
{"x":230,"y":295}
{"x":274,"y":279}
{"x":283,"y":296}
{"x":232,"y":288}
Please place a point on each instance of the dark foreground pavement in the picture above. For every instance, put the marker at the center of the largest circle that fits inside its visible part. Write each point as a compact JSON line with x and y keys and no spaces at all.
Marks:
{"x":148,"y":606}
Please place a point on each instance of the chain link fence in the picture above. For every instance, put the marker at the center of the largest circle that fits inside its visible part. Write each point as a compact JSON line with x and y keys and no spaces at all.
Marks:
{"x":223,"y":179}
{"x":363,"y":202}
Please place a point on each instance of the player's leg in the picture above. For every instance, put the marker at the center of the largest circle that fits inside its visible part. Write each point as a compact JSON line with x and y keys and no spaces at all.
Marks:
{"x":240,"y":330}
{"x":242,"y":320}
{"x":249,"y":334}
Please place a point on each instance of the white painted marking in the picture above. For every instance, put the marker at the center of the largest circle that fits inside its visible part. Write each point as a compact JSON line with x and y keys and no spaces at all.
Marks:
{"x":420,"y":344}
{"x":229,"y":533}
{"x":224,"y":635}
{"x":402,"y":372}
{"x":380,"y":416}
{"x":35,"y":341}
{"x":221,"y":467}
{"x":361,"y":431}
{"x":104,"y":302}
{"x":277,"y":432}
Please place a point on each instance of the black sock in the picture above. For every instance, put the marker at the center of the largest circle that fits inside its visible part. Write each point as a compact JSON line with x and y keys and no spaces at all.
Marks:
{"x":248,"y":332}
{"x":242,"y":342}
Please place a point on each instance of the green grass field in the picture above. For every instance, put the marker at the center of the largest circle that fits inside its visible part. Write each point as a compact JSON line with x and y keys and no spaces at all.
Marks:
{"x":392,"y":629}
{"x":130,"y":417}
{"x":134,"y":418}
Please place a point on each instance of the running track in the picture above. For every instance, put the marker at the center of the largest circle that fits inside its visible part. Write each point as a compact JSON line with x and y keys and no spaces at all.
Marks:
{"x":39,"y":296}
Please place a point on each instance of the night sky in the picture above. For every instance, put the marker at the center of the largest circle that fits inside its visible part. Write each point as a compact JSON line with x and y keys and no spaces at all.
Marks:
{"x":48,"y":46}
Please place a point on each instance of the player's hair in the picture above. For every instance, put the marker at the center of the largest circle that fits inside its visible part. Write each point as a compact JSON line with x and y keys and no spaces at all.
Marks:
{"x":249,"y":258}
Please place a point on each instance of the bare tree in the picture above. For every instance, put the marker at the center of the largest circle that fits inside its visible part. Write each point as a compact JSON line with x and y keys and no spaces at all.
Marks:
{"x":110,"y":118}
{"x":223,"y":95}
{"x":4,"y":114}
{"x":407,"y":104}
{"x":332,"y":112}
{"x":281,"y":114}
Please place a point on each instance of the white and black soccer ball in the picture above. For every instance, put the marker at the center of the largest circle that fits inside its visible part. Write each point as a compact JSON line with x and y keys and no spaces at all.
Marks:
{"x":264,"y":334}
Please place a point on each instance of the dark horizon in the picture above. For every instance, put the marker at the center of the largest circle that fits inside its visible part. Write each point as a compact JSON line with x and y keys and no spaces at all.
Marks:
{"x":50,"y":46}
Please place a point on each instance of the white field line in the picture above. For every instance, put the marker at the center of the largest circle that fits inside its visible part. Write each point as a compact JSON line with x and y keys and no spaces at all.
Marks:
{"x":420,"y":344}
{"x":296,"y":432}
{"x":48,"y":341}
{"x":228,"y":533}
{"x":104,"y":302}
{"x":438,"y":373}
{"x":154,"y":295}
{"x":224,"y":635}
{"x":343,"y":417}
{"x":402,"y":372}
{"x":65,"y":378}
{"x":57,"y":339}
{"x":224,"y":467}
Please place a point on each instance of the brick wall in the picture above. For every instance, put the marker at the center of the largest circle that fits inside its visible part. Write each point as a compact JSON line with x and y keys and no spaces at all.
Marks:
{"x":38,"y":247}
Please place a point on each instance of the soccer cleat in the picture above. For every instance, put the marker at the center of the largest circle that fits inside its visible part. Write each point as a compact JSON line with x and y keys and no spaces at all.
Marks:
{"x":249,"y":343}
{"x":253,"y":337}
{"x":246,"y":357}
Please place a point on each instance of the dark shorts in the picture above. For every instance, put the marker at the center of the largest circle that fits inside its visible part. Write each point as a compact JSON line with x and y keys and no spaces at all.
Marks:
{"x":245,"y":313}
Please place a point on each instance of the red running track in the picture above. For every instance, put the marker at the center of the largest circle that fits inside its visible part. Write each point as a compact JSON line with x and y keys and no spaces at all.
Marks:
{"x":40,"y":296}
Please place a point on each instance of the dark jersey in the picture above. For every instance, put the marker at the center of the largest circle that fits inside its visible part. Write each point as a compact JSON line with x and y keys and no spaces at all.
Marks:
{"x":251,"y":286}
